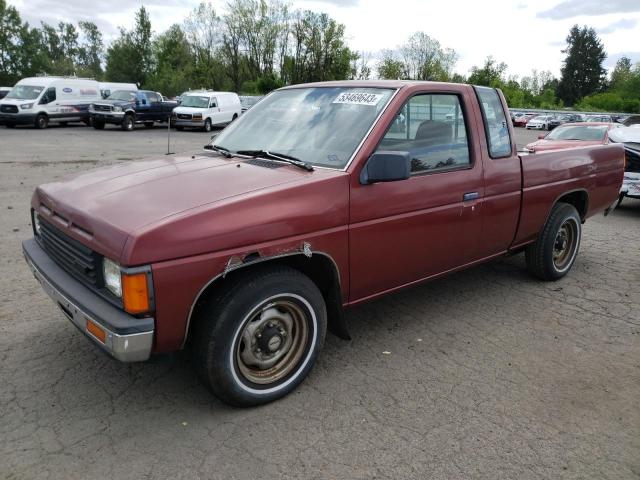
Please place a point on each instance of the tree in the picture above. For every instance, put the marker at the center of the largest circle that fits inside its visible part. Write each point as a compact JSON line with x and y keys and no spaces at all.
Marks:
{"x":89,"y":61}
{"x":582,"y":73}
{"x":490,"y":74}
{"x":621,"y":73}
{"x":424,"y":58}
{"x":130,"y":56}
{"x":173,"y":63}
{"x":11,"y":37}
{"x":389,"y":66}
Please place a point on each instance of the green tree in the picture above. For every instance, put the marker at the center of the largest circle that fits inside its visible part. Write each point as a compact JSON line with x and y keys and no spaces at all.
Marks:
{"x":389,"y":66}
{"x":90,"y":51}
{"x":173,"y":62}
{"x":582,"y":73}
{"x":11,"y":38}
{"x":491,"y":74}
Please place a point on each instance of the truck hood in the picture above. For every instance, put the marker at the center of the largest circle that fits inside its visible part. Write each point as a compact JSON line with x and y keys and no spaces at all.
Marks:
{"x":116,"y":103}
{"x":116,"y":207}
{"x":188,"y":110}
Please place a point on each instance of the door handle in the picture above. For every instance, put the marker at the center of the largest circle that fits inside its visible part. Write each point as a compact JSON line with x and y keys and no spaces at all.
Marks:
{"x":467,"y":197}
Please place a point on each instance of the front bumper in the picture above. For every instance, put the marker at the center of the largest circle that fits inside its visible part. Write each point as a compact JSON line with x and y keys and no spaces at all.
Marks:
{"x":181,"y":122}
{"x":128,"y":339}
{"x":106,"y":117}
{"x":631,"y":185}
{"x":18,"y":118}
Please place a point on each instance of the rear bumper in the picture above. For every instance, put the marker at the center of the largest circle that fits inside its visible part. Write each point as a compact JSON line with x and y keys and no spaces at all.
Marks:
{"x":127,"y":338}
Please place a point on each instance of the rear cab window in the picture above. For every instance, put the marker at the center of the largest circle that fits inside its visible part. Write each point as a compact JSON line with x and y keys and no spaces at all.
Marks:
{"x":495,"y":122}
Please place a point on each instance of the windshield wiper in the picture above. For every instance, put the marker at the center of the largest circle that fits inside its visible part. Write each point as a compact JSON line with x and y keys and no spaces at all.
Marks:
{"x":283,"y":157}
{"x":224,"y":151}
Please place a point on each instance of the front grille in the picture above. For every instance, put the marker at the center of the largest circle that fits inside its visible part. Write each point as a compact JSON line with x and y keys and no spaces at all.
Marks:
{"x":101,"y":108}
{"x":184,"y":116}
{"x":632,"y":163}
{"x":77,"y":259}
{"x":9,"y":108}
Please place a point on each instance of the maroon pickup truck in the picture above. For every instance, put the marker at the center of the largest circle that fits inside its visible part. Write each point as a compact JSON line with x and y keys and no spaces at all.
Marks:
{"x":321,"y":197}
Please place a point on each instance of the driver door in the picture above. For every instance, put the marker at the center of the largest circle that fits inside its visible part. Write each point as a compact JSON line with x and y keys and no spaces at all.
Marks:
{"x":408,"y":230}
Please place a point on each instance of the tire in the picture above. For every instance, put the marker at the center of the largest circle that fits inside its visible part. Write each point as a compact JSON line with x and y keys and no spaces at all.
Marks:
{"x":98,"y":125}
{"x":148,"y":124}
{"x":235,"y":117}
{"x":555,"y":251}
{"x":207,"y":125}
{"x":128,"y":123}
{"x":42,"y":121}
{"x":272,"y":307}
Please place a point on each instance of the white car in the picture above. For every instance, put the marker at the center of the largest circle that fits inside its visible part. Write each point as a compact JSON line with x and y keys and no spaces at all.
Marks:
{"x":40,"y":100}
{"x":630,"y":137}
{"x":205,"y":109}
{"x":541,"y":122}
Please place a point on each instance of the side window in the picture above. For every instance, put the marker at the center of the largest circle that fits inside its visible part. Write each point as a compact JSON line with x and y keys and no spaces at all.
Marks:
{"x":49,"y":96}
{"x":153,"y":97}
{"x":213,"y":103}
{"x":495,"y":123}
{"x":431,"y":127}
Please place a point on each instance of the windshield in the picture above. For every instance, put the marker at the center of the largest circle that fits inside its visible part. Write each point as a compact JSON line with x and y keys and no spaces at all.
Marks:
{"x":194,"y":101}
{"x":123,"y":95}
{"x":321,"y":126}
{"x":25,"y":92}
{"x":578,"y":132}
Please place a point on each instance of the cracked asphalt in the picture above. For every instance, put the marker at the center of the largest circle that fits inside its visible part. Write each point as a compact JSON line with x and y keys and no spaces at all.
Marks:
{"x":490,"y":374}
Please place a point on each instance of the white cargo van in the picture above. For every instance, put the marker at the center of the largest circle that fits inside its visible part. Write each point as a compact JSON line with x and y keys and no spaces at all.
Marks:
{"x":40,"y":100}
{"x":204,"y":109}
{"x":107,"y":88}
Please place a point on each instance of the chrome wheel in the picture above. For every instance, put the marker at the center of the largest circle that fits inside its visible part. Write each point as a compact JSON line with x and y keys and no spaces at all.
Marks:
{"x":564,"y":246}
{"x":272,"y":341}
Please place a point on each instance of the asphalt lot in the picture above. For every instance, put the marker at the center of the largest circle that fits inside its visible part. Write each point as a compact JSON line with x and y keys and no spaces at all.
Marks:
{"x":491,"y":374}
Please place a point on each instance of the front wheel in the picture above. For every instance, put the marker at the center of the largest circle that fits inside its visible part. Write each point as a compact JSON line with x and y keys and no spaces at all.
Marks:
{"x":98,"y":125}
{"x":555,"y":251}
{"x":258,"y":337}
{"x":42,"y":121}
{"x":127,"y":123}
{"x":207,"y":125}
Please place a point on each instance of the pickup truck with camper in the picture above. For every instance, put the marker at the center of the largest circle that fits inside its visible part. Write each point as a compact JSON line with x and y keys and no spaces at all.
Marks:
{"x":315,"y":200}
{"x":130,"y":107}
{"x":39,"y":101}
{"x":205,"y":109}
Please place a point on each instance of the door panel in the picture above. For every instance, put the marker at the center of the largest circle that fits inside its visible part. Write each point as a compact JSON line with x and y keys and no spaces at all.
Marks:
{"x":411,"y":229}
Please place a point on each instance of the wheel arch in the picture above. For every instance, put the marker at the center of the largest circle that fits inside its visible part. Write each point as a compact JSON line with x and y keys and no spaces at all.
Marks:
{"x":579,"y":198}
{"x":320,"y":267}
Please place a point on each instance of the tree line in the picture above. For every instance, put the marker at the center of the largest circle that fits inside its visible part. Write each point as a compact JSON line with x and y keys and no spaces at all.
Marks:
{"x":256,"y":46}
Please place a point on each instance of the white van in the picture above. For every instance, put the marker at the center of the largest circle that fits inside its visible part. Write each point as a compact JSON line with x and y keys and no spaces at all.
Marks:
{"x":204,"y":109}
{"x":40,"y":100}
{"x":107,"y":88}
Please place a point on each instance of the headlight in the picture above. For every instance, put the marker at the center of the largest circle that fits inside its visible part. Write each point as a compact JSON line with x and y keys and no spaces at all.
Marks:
{"x":91,"y":106}
{"x":112,"y":276}
{"x":36,"y":223}
{"x":26,"y":106}
{"x":117,"y":109}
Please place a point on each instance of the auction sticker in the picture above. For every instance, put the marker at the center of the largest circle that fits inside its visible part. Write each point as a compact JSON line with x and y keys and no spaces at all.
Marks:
{"x":358,"y":98}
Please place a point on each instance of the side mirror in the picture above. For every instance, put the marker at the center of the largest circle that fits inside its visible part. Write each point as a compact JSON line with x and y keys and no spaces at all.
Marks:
{"x":386,"y":167}
{"x":541,"y":136}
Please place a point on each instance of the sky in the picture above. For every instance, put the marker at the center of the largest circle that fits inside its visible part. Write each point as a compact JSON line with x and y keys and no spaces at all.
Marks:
{"x":524,"y":34}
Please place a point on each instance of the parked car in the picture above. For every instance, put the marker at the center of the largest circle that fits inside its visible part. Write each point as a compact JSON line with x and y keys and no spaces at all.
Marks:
{"x":521,"y":121}
{"x":206,"y":109}
{"x":599,"y":118}
{"x":4,"y":91}
{"x":249,"y":101}
{"x":558,"y":120}
{"x":630,"y":138}
{"x":130,"y":107}
{"x":571,"y":135}
{"x":541,"y":122}
{"x":39,"y":101}
{"x":307,"y":204}
{"x":630,"y":120}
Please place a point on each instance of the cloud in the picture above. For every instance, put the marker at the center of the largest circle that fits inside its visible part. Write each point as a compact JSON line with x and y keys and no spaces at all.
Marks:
{"x":341,"y":3}
{"x":576,"y":8}
{"x":621,"y":24}
{"x":612,"y":58}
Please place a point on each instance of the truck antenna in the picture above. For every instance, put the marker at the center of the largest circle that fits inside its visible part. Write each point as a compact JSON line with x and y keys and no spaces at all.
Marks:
{"x":169,"y":152}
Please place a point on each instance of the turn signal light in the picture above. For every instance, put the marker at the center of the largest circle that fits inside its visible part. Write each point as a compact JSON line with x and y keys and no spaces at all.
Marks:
{"x":96,"y":331}
{"x":135,"y":293}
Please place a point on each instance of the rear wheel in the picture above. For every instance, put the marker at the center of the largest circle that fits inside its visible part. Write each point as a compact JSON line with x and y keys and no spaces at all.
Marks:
{"x":257,"y":338}
{"x":42,"y":121}
{"x":555,"y":251}
{"x":127,"y":123}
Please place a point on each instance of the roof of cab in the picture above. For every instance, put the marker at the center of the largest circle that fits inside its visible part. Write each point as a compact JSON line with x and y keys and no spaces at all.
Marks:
{"x":371,"y":84}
